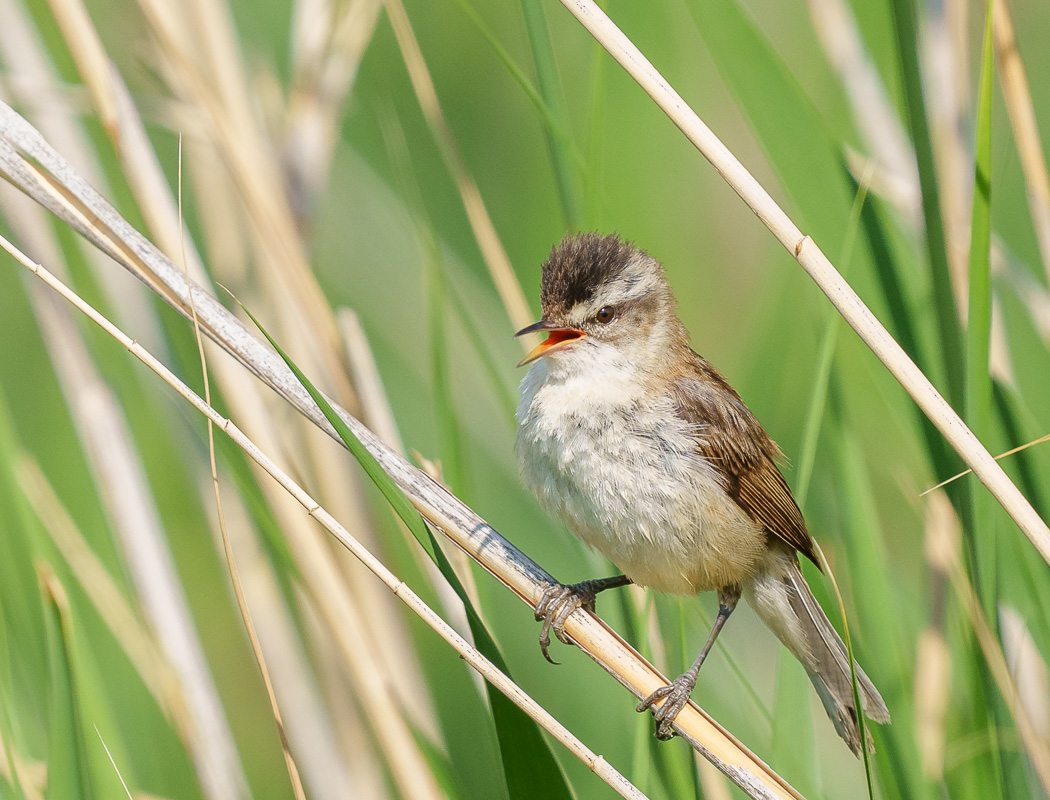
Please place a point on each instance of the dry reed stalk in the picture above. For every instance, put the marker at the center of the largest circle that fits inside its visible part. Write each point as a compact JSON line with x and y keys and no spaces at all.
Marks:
{"x":1019,"y":106}
{"x":295,"y":294}
{"x":329,"y":40}
{"x":495,"y":257}
{"x":948,"y":101}
{"x":308,"y":720}
{"x":1028,"y":668}
{"x":820,"y":269}
{"x":597,"y":764}
{"x":155,"y":198}
{"x":128,"y":503}
{"x":53,"y":183}
{"x":25,"y":56}
{"x":878,"y":123}
{"x":942,"y":551}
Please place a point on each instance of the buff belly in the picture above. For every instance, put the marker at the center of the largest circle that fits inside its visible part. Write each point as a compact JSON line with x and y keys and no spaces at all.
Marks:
{"x":625,"y":476}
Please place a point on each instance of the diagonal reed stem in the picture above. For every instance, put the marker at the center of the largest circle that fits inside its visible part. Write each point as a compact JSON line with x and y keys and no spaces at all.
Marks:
{"x":32,"y":164}
{"x":472,"y":656}
{"x":819,"y":268}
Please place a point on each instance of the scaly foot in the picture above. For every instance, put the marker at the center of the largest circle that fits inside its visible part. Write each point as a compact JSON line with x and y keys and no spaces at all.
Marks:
{"x":560,"y":600}
{"x":677,"y":695}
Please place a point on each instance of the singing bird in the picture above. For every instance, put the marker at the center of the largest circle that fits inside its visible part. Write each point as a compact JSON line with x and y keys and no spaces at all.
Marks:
{"x":648,"y":454}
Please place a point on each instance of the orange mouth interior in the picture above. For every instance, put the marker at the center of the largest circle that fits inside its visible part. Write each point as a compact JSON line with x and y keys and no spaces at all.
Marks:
{"x":559,"y":337}
{"x":554,"y":339}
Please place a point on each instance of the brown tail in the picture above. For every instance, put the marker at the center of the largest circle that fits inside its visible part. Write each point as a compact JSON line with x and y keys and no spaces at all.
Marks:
{"x":810,"y":636}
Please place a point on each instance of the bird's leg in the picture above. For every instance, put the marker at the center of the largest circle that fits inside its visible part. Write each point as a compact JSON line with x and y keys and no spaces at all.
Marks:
{"x":559,"y":601}
{"x":678,"y":691}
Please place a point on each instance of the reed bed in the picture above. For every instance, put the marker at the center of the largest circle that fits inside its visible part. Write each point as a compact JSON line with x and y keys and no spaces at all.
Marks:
{"x":378,"y":184}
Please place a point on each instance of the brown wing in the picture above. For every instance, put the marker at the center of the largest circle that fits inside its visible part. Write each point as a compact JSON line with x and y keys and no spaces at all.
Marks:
{"x":729,"y":436}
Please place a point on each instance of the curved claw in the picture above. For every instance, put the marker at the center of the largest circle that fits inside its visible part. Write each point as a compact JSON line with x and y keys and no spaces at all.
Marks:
{"x":555,"y":606}
{"x":677,"y":695}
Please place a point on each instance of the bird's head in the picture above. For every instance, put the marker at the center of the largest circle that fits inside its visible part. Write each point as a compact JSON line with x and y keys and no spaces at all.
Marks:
{"x":604,"y":299}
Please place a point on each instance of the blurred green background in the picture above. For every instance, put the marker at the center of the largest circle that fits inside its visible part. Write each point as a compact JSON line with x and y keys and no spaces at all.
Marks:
{"x":389,"y":238}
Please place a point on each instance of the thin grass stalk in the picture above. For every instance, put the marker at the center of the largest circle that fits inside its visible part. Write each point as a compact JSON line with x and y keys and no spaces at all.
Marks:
{"x":129,"y":505}
{"x":1021,"y":110}
{"x":231,"y":564}
{"x":309,"y":717}
{"x":154,"y":196}
{"x":877,"y":120}
{"x":248,"y":160}
{"x":123,"y":622}
{"x":54,"y":184}
{"x":945,"y":557}
{"x":58,"y":116}
{"x":503,"y":275}
{"x":116,"y":769}
{"x":820,"y":268}
{"x":399,"y":588}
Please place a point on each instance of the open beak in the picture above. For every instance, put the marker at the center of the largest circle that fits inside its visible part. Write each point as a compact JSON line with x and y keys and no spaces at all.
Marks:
{"x":557,"y":338}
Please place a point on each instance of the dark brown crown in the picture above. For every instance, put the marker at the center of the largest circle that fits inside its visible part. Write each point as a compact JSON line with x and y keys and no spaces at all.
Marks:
{"x":579,"y":265}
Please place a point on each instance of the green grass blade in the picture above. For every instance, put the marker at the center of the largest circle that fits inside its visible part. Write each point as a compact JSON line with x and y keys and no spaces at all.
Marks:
{"x":592,"y":211}
{"x":905,"y":19}
{"x":506,"y":394}
{"x":7,"y":716}
{"x":819,"y":397}
{"x":978,"y":405}
{"x":529,"y":765}
{"x":978,"y":408}
{"x":68,"y":774}
{"x":797,"y":140}
{"x":553,"y":123}
{"x":451,"y":449}
{"x":554,"y":98}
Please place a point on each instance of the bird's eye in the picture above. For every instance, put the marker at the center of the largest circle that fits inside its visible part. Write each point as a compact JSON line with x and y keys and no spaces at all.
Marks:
{"x":606,"y":314}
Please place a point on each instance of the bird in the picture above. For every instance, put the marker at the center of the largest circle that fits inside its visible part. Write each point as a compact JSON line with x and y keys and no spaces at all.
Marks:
{"x":648,"y":455}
